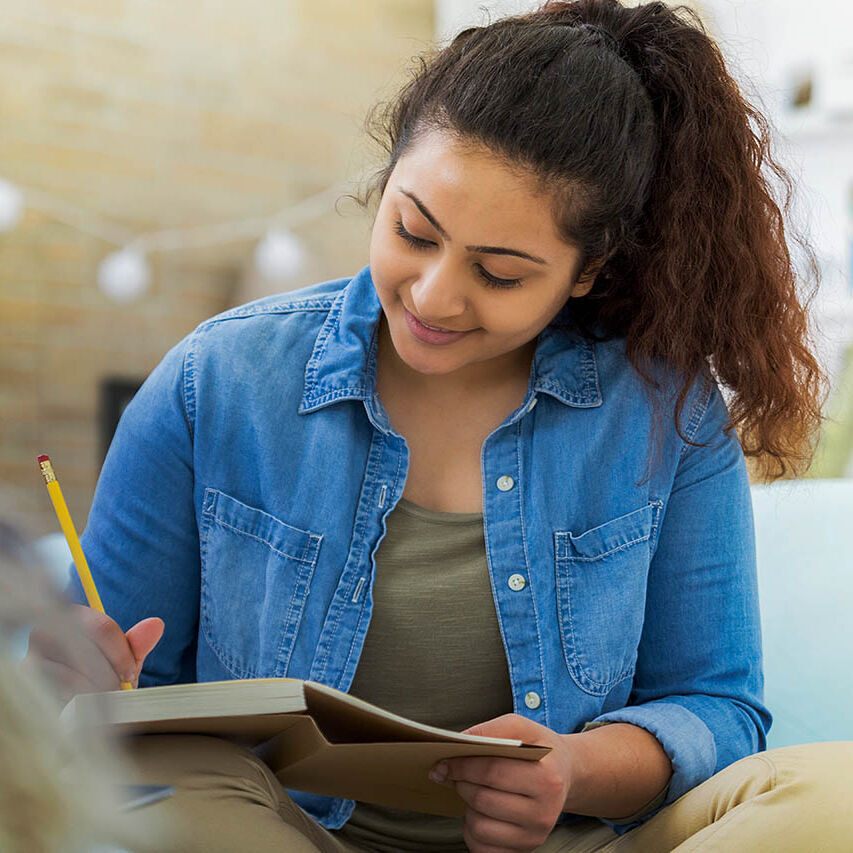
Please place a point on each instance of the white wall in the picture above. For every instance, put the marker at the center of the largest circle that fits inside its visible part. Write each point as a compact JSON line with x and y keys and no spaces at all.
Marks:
{"x":768,"y":43}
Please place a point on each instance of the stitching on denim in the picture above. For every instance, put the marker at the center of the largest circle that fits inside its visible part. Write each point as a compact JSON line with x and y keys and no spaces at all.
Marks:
{"x":262,"y":540}
{"x":311,"y":543}
{"x":611,"y":522}
{"x":603,"y":554}
{"x":487,"y":543}
{"x":206,"y":621}
{"x":656,"y":514}
{"x":336,"y":608}
{"x":241,"y":313}
{"x":331,"y":322}
{"x":288,"y":632}
{"x":580,"y":664}
{"x":357,"y":391}
{"x":593,"y":367}
{"x":188,"y":387}
{"x":697,"y":415}
{"x":565,"y":613}
{"x":227,"y":659}
{"x":545,"y":706}
{"x":351,"y":650}
{"x":370,"y":557}
{"x":577,"y":668}
{"x":570,"y":537}
{"x":582,"y":400}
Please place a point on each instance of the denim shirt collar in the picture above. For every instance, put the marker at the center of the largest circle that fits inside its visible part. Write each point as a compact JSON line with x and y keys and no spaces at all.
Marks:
{"x":342,"y":365}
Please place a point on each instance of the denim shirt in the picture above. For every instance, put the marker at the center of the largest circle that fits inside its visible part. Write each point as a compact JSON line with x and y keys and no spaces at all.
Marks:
{"x":245,"y":493}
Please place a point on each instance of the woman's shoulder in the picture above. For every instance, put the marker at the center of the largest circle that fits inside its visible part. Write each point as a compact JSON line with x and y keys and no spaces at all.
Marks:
{"x":279,"y":321}
{"x":313,"y":298}
{"x":656,"y":382}
{"x":257,"y":337}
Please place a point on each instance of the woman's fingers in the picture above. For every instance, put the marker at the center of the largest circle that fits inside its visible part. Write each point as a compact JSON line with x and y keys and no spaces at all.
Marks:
{"x":88,"y":642}
{"x":111,"y":640}
{"x":64,"y":681}
{"x":92,"y":645}
{"x":66,"y":643}
{"x":142,"y":638}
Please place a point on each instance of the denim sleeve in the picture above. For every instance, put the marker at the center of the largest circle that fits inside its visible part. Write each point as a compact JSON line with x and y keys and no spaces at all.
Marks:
{"x":141,"y":539}
{"x":698,"y":686}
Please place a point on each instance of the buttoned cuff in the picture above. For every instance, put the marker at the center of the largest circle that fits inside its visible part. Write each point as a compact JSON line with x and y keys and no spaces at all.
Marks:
{"x":685,"y":739}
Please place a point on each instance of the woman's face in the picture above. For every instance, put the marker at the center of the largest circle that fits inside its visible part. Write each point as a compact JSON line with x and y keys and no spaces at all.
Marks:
{"x":464,"y":243}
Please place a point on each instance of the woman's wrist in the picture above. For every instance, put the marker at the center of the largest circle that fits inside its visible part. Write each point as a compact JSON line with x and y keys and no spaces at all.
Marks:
{"x":618,"y":769}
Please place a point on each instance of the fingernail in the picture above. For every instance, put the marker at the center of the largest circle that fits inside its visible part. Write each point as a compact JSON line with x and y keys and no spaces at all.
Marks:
{"x":439,"y":772}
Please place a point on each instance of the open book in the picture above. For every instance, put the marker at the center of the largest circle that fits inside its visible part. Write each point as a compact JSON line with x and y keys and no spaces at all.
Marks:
{"x":314,"y":738}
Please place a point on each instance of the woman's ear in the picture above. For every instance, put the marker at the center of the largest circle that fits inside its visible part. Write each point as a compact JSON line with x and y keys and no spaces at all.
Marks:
{"x":586,"y":279}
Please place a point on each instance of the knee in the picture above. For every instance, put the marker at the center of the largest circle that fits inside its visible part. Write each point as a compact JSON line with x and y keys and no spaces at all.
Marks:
{"x":817,"y":775}
{"x":189,"y":760}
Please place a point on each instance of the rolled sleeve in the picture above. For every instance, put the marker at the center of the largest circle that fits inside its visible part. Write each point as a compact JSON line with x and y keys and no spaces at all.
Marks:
{"x":687,"y":741}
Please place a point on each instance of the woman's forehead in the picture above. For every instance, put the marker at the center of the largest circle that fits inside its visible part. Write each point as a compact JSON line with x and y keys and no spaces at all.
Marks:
{"x":462,"y":181}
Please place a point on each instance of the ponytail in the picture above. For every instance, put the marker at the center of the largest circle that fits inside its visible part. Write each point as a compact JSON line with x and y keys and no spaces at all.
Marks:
{"x":660,"y":173}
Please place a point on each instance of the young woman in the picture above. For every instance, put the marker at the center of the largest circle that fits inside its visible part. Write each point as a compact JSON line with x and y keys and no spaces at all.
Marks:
{"x":490,"y":482}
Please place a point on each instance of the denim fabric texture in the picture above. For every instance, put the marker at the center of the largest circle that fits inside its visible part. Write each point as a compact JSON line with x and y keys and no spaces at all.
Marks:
{"x":244,"y":496}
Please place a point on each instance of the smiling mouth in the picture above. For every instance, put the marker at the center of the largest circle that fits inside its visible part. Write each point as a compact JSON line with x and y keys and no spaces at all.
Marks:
{"x":437,"y":328}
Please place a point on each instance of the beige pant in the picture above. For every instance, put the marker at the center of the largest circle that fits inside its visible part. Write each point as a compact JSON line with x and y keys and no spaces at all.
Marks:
{"x":797,"y":798}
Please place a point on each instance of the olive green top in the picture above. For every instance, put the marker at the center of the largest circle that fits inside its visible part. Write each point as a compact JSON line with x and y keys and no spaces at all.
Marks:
{"x":423,"y":659}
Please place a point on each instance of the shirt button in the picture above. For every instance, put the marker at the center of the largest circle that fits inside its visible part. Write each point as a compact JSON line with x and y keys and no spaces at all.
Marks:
{"x":532,"y":700}
{"x":505,"y":483}
{"x":517,"y":582}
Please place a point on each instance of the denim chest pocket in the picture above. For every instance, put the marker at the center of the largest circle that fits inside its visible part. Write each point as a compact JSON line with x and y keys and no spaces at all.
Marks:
{"x":601,"y":596}
{"x":255,"y":576}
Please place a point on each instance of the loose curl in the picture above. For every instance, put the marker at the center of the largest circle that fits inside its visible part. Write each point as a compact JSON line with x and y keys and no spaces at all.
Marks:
{"x":659,"y":172}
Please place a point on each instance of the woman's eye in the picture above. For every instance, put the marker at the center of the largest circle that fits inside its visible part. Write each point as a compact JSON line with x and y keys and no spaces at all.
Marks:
{"x":493,"y":281}
{"x":489,"y":279}
{"x":414,"y":242}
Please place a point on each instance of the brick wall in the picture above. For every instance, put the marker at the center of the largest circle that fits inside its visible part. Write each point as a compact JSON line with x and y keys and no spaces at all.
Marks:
{"x":154,"y":115}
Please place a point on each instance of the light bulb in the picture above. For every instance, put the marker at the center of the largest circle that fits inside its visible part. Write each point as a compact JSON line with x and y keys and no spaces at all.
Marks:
{"x":11,"y":205}
{"x":124,"y":275}
{"x":279,"y":255}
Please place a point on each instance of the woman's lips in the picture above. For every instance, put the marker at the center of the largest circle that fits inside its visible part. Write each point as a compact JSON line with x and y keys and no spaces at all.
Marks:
{"x":431,"y":336}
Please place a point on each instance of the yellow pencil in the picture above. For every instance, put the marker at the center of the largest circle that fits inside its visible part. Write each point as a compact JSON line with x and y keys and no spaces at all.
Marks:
{"x":73,"y":542}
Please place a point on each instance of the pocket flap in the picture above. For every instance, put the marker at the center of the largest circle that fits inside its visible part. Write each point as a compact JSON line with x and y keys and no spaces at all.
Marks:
{"x":628,"y":529}
{"x":284,"y":539}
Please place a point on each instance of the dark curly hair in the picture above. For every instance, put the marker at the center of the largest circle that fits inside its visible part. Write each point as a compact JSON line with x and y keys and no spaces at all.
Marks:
{"x":660,"y":173}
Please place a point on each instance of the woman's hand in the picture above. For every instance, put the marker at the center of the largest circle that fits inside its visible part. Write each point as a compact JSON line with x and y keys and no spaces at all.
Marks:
{"x":512,"y":804}
{"x":88,"y":652}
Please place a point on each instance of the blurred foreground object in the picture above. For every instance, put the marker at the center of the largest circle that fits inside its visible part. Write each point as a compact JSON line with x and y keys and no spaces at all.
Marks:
{"x":56,"y":795}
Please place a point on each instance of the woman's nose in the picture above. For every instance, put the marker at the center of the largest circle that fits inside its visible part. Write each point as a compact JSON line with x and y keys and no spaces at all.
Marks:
{"x":439,"y":294}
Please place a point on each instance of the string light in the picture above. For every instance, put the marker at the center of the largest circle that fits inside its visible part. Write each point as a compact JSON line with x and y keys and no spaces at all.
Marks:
{"x":279,"y":255}
{"x":11,"y":205}
{"x":125,"y":274}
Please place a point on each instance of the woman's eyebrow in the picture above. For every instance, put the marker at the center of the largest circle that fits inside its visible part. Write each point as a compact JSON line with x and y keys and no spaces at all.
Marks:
{"x":493,"y":250}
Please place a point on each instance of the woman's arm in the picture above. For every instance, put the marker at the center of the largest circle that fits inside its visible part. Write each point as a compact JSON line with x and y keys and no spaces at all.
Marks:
{"x":141,"y":539}
{"x":621,"y":770}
